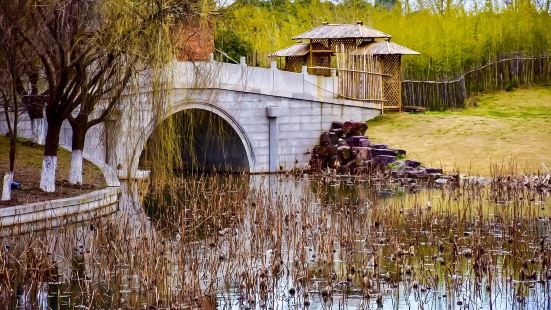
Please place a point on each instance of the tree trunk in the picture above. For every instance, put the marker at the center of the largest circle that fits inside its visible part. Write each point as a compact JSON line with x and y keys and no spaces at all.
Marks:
{"x":35,"y":108}
{"x":79,"y":135}
{"x":49,"y":163}
{"x":13,"y":141}
{"x":37,"y":127}
{"x":8,"y":178}
{"x":6,"y":187}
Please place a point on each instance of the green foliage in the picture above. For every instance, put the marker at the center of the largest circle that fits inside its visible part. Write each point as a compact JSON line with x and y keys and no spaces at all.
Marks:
{"x":450,"y":39}
{"x":394,"y":165}
{"x":386,"y":4}
{"x":376,"y":119}
{"x":232,"y":45}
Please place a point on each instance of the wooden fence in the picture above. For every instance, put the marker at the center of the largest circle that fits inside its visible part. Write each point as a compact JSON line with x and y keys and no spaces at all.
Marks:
{"x":434,"y":95}
{"x":503,"y":74}
{"x":360,"y":76}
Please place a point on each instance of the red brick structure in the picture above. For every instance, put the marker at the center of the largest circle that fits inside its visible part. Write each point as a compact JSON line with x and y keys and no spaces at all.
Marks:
{"x":194,"y":39}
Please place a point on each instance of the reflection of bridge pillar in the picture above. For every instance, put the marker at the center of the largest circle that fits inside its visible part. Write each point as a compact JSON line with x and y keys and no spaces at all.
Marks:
{"x":273,"y":112}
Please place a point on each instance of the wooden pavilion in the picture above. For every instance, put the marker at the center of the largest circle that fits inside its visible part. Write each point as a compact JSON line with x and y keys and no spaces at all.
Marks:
{"x":367,"y":63}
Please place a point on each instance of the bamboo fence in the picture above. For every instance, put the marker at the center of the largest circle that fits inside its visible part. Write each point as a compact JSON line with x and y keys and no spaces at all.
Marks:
{"x":360,"y":77}
{"x":503,"y":74}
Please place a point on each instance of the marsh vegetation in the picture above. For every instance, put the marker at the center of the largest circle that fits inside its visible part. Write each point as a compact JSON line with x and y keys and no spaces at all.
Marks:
{"x":273,"y":242}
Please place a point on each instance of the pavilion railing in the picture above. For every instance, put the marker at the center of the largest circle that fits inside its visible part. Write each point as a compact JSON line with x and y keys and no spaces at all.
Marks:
{"x":360,"y":77}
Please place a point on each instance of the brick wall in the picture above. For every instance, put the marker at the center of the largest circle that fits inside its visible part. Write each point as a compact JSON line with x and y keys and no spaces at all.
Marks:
{"x":194,"y":39}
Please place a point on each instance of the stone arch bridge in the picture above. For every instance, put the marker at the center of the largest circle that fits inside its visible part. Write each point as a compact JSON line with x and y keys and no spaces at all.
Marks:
{"x":276,"y":116}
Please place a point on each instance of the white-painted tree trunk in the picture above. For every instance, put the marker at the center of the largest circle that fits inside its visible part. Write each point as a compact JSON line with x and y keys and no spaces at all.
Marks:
{"x":39,"y":134}
{"x":6,"y":187}
{"x":75,"y":174}
{"x":47,"y":179}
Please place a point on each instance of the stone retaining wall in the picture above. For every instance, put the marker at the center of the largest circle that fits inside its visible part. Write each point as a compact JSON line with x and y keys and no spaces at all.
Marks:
{"x":54,"y":213}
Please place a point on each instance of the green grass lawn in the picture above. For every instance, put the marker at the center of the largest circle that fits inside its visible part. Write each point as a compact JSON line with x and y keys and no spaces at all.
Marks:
{"x":505,"y":129}
{"x":28,"y":165}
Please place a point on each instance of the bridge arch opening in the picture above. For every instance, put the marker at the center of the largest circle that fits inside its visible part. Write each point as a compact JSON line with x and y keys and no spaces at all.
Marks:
{"x":203,"y":138}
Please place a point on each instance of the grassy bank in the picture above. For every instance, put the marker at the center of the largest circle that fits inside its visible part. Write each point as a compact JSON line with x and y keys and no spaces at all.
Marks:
{"x":497,"y":129}
{"x":28,"y":165}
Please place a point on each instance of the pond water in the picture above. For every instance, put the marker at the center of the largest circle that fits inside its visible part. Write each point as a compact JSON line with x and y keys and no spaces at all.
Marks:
{"x":279,"y":242}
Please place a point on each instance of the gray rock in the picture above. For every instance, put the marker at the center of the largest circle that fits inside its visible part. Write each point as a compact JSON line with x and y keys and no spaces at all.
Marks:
{"x":384,"y":159}
{"x":434,"y":170}
{"x":418,"y":172}
{"x":379,"y":146}
{"x":413,"y":163}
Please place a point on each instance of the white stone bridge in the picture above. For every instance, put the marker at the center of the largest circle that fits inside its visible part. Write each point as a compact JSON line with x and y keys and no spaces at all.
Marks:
{"x":276,"y":116}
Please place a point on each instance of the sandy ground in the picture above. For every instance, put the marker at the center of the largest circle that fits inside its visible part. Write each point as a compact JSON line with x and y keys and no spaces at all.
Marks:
{"x":506,"y":131}
{"x":28,"y":165}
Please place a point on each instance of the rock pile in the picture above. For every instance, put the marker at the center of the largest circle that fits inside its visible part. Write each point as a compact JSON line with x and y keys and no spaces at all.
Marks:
{"x":346,"y":148}
{"x":540,"y":183}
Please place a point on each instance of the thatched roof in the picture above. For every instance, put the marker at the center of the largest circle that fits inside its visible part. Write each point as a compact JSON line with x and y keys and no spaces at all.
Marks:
{"x":298,"y":49}
{"x":384,"y":48}
{"x":342,"y":31}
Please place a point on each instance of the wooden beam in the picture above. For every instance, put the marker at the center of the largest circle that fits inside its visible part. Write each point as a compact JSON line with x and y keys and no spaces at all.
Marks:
{"x":311,"y":53}
{"x":366,"y":72}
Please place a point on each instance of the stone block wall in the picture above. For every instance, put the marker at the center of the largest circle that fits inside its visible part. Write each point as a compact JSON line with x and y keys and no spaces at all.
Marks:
{"x":49,"y":214}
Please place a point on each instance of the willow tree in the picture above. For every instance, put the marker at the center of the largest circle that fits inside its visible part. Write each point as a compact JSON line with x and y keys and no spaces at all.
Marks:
{"x":131,"y":41}
{"x":89,"y":50}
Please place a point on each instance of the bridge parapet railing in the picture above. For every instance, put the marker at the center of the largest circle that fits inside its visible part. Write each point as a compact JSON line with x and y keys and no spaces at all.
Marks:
{"x":267,"y":81}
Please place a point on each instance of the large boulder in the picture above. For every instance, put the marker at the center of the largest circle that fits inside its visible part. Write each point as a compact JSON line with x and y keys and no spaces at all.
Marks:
{"x":325,"y":139}
{"x":334,"y":137}
{"x":362,"y":153}
{"x":346,"y":153}
{"x":412,"y":163}
{"x":351,"y":128}
{"x":434,"y":170}
{"x":384,"y":160}
{"x":360,"y":141}
{"x":379,"y":146}
{"x":378,"y":152}
{"x":336,"y":125}
{"x":417,"y":173}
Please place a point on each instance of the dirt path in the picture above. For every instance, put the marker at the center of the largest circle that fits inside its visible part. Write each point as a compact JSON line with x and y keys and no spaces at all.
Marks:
{"x":504,"y":128}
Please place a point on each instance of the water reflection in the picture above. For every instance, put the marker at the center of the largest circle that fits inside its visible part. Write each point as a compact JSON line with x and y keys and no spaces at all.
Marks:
{"x":284,"y":242}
